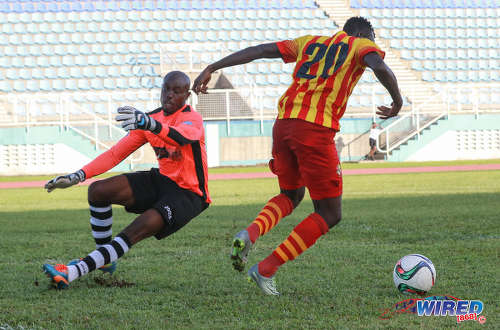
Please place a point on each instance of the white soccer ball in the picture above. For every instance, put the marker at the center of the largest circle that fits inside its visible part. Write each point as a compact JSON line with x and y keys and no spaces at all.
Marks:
{"x":414,"y":273}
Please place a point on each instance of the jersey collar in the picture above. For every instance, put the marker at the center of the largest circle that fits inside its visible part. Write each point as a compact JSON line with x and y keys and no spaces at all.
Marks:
{"x":185,"y":108}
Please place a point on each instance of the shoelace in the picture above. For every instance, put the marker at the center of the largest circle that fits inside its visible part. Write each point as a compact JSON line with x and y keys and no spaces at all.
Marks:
{"x":61,"y":268}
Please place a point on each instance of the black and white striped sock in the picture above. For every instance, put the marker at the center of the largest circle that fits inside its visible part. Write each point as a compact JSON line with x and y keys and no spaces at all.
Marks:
{"x":101,"y":220}
{"x":100,"y":257}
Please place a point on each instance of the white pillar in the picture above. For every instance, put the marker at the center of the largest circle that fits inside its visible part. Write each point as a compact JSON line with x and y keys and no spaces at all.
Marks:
{"x":212,"y":138}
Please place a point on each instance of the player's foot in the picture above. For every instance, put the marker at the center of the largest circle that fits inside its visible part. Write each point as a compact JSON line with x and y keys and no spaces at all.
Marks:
{"x":107,"y":268}
{"x":58,"y":274}
{"x":239,"y":250}
{"x":266,"y":284}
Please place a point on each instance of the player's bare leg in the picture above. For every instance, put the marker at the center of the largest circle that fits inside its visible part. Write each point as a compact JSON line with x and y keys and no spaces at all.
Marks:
{"x":146,"y":225}
{"x":371,"y":155}
{"x":330,"y":209}
{"x":296,"y":195}
{"x":114,"y":190}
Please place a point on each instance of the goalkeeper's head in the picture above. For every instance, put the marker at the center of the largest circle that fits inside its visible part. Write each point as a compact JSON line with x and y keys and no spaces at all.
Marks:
{"x":174,"y":91}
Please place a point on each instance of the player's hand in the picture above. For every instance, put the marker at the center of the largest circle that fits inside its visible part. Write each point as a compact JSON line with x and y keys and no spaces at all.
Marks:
{"x":201,"y":82}
{"x":132,"y":118}
{"x":65,"y":181}
{"x":386,"y":112}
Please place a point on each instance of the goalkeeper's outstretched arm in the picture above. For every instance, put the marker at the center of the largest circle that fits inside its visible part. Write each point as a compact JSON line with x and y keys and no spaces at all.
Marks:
{"x":102,"y":163}
{"x":65,"y":181}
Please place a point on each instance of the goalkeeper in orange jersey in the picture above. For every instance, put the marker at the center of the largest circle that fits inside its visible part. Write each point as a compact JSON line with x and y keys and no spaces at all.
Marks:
{"x":167,"y":198}
{"x":327,"y":69}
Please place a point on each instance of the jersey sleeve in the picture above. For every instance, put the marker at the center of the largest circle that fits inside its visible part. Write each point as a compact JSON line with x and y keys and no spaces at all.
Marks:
{"x":365,"y":46}
{"x":187,"y":131}
{"x":112,"y":157}
{"x":289,"y":50}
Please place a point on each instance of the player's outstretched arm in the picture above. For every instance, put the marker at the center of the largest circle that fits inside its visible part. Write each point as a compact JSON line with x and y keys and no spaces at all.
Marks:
{"x":387,"y":78}
{"x":243,"y":56}
{"x":65,"y":181}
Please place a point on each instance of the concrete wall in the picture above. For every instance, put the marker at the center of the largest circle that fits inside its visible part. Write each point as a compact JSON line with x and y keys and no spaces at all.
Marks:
{"x":247,"y":143}
{"x":459,"y":137}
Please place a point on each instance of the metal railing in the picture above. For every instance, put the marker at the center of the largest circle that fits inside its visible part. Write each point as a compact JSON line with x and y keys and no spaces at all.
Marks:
{"x":73,"y":110}
{"x":449,"y":97}
{"x":68,"y":120}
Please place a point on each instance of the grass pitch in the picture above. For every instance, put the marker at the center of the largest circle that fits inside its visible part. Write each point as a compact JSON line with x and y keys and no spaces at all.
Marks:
{"x":186,"y":281}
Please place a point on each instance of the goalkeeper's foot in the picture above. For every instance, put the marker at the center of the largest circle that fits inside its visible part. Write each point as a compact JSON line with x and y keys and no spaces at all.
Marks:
{"x":266,"y":284}
{"x":239,"y":250}
{"x":58,"y":275}
{"x":107,"y":268}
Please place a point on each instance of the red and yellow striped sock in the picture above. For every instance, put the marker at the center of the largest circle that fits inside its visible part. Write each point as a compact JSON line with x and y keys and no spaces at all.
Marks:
{"x":302,"y":237}
{"x":276,"y":209}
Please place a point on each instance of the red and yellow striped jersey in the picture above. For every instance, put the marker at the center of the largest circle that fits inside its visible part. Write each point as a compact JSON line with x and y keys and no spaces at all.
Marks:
{"x":326,"y":71}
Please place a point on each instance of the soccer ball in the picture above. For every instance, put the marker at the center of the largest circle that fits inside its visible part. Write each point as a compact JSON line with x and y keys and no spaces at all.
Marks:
{"x":414,"y":273}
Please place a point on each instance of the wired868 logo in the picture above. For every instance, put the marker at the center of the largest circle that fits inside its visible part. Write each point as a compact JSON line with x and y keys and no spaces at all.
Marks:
{"x":463,"y":310}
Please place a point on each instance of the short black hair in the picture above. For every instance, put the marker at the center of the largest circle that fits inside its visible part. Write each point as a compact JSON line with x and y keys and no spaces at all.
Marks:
{"x":178,"y":75}
{"x":356,"y":24}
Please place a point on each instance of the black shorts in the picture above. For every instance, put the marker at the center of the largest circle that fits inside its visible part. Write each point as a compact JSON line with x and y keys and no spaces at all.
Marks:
{"x":373,"y":142}
{"x":176,"y":205}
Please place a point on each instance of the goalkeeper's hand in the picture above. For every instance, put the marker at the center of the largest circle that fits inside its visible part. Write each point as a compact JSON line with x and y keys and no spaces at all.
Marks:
{"x":65,"y":181}
{"x":132,"y":118}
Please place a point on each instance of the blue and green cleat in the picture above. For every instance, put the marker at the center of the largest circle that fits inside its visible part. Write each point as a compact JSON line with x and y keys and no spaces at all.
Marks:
{"x":58,"y":274}
{"x":109,"y":268}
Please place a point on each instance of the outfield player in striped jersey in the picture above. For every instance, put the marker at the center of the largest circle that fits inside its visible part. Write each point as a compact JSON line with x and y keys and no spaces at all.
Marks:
{"x":326,"y":71}
{"x":166,"y":198}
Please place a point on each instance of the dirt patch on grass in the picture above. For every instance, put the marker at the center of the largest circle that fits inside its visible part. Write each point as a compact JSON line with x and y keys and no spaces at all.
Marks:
{"x":110,"y":281}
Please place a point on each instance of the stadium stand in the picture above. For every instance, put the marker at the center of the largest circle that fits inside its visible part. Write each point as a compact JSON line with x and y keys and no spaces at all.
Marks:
{"x":62,"y":36}
{"x":96,"y":54}
{"x":189,"y":34}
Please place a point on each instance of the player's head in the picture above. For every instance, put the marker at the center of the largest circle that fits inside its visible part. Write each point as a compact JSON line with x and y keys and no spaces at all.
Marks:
{"x":374,"y":125}
{"x":359,"y":27}
{"x":174,"y":91}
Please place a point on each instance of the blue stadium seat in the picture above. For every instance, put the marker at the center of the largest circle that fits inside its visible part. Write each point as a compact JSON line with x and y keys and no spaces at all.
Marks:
{"x":63,"y":73}
{"x":36,"y":73}
{"x":89,"y":72}
{"x":50,"y":73}
{"x":70,"y":85}
{"x":81,"y":60}
{"x":495,"y":76}
{"x":96,"y":84}
{"x":19,"y":86}
{"x":90,"y":6}
{"x":122,"y":83}
{"x":12,"y":74}
{"x":75,"y":72}
{"x":83,"y":84}
{"x":4,"y":7}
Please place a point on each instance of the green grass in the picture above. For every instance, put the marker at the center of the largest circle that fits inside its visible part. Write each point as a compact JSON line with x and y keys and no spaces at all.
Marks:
{"x":186,"y":281}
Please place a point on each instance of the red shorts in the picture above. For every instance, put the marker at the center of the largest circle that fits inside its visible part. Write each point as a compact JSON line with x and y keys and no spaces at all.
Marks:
{"x":304,"y":154}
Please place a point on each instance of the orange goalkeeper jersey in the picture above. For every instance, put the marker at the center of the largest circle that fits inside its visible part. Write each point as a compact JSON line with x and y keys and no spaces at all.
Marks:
{"x":326,"y":71}
{"x":179,"y":147}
